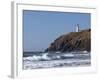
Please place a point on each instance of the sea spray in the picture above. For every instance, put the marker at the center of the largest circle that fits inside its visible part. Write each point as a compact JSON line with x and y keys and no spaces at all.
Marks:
{"x":50,"y":60}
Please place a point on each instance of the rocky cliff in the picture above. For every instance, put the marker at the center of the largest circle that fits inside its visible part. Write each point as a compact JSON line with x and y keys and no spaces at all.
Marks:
{"x":74,"y":41}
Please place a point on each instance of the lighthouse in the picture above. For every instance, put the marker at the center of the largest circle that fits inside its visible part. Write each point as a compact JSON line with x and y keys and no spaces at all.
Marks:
{"x":77,"y":28}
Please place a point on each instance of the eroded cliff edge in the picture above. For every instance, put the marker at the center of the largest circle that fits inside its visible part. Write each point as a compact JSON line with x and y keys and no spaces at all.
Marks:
{"x":73,"y":41}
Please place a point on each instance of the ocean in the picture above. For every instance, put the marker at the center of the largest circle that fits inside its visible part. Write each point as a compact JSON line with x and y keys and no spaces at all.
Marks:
{"x":39,"y":60}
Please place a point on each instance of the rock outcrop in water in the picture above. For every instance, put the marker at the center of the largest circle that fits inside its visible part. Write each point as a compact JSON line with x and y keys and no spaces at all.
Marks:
{"x":74,"y":41}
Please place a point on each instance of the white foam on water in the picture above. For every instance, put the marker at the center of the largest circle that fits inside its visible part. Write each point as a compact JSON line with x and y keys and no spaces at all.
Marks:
{"x":54,"y":63}
{"x":45,"y":56}
{"x":45,"y":61}
{"x":69,"y":55}
{"x":37,"y":57}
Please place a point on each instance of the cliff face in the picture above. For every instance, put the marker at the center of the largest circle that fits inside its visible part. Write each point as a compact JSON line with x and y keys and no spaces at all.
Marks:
{"x":74,"y":41}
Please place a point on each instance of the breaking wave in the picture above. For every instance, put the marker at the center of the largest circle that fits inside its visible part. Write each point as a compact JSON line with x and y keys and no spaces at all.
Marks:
{"x":38,"y":57}
{"x":49,"y":56}
{"x":50,"y":60}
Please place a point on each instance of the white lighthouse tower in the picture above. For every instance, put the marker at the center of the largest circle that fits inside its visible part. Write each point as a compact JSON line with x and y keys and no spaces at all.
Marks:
{"x":77,"y":28}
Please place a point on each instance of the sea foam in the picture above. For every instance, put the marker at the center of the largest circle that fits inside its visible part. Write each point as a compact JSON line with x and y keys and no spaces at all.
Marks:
{"x":50,"y":60}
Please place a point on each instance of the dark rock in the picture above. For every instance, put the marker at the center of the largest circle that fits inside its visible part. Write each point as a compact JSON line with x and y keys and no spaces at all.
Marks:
{"x":74,"y":41}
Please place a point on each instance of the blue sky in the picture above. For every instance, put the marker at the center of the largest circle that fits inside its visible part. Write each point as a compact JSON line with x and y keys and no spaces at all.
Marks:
{"x":40,"y":28}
